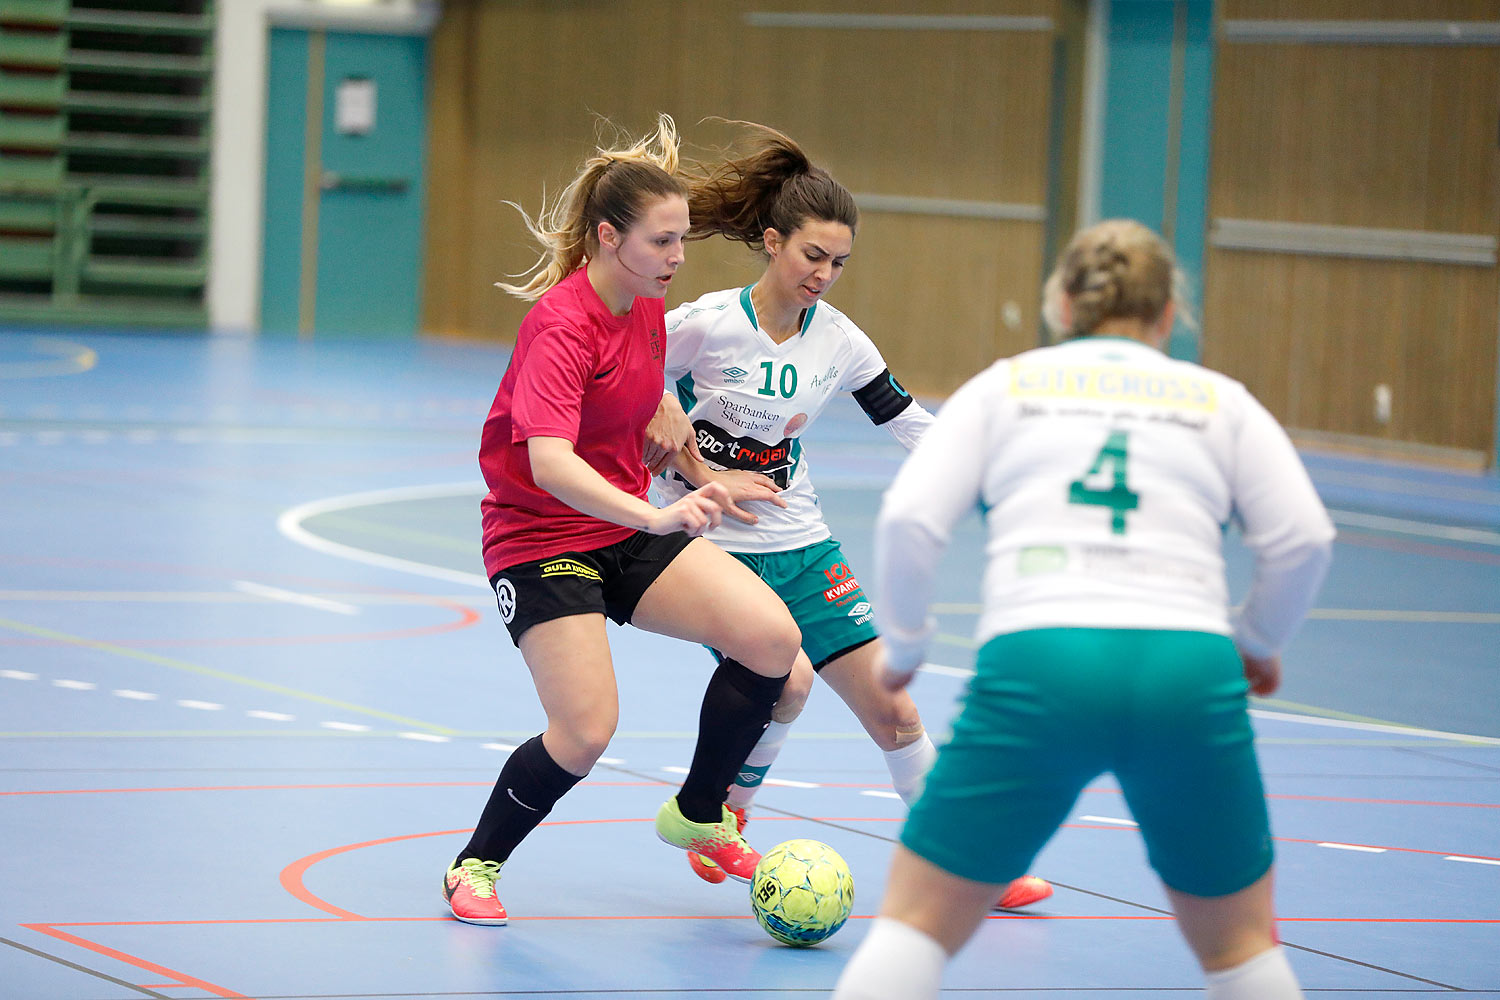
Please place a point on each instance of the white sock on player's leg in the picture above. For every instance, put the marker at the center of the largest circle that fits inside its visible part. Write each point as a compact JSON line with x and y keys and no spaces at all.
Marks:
{"x":895,"y":961}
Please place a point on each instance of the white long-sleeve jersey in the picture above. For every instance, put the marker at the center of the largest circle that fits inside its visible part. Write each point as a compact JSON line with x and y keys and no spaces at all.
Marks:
{"x":750,"y":400}
{"x":1107,"y":474}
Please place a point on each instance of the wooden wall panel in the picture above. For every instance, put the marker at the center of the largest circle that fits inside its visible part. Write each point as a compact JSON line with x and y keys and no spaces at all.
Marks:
{"x":944,"y":318}
{"x":1378,"y":136}
{"x":1361,"y":10}
{"x":1398,"y":137}
{"x":1312,"y":337}
{"x":930,"y":114}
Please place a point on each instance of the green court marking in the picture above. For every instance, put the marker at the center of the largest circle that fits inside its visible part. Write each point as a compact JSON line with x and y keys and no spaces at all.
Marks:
{"x":376,"y":529}
{"x":223,"y":675}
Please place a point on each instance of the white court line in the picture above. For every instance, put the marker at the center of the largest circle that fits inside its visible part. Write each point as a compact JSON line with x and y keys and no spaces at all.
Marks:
{"x":1422,"y":529}
{"x":1372,"y":727}
{"x":346,"y":727}
{"x":790,"y":784}
{"x":292,"y":597}
{"x":1110,"y":819}
{"x":290,"y":525}
{"x":1353,"y":847}
{"x":18,"y":675}
{"x":872,"y":793}
{"x":938,"y":668}
{"x":505,"y":747}
{"x":135,"y":695}
{"x":75,"y":685}
{"x":424,"y":737}
{"x":260,"y":713}
{"x":202,"y":706}
{"x":1472,"y":861}
{"x":611,"y":760}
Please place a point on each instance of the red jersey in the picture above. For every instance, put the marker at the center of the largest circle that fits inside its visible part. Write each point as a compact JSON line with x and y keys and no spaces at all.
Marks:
{"x":578,"y":372}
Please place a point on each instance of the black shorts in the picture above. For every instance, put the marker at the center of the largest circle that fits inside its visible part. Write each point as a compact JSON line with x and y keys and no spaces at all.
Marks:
{"x":609,"y":580}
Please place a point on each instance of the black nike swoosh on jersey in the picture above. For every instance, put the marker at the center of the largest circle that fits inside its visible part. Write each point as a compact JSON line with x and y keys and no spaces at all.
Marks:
{"x":604,"y":373}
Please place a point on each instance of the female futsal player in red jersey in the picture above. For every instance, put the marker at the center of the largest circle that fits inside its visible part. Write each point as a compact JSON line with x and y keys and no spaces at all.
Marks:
{"x":569,"y":536}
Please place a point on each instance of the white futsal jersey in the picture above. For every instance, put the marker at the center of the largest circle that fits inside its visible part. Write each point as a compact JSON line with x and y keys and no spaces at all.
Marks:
{"x":750,"y":398}
{"x":1107,"y":473}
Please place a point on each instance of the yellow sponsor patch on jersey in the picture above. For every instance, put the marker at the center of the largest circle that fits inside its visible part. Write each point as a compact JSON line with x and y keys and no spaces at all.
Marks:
{"x":568,"y":567}
{"x":1112,"y":384}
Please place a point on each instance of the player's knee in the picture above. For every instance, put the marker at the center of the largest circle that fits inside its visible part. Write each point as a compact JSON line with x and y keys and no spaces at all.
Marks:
{"x":899,"y":718}
{"x":794,"y":694}
{"x":588,"y":737}
{"x":767,"y":642}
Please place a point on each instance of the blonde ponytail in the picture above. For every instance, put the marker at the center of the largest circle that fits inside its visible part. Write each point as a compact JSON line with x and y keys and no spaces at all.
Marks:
{"x":615,"y":186}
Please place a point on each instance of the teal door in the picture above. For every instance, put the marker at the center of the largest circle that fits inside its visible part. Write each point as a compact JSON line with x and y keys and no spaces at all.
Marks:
{"x":345,"y":147}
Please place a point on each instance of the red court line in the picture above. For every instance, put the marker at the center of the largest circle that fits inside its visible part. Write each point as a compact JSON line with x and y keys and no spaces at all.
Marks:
{"x":139,"y":963}
{"x":1388,"y":802}
{"x":1339,"y":798}
{"x":1354,"y":537}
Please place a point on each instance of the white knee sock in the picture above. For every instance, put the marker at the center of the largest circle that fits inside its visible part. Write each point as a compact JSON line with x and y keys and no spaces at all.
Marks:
{"x":909,"y":766}
{"x":1267,"y":976}
{"x":762,"y":756}
{"x":895,"y":961}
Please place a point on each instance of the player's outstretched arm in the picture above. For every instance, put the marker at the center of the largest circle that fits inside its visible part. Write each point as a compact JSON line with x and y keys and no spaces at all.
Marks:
{"x":557,"y":469}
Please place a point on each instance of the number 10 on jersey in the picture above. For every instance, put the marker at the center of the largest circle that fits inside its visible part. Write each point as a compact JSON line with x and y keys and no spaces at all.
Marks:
{"x":1109,"y":466}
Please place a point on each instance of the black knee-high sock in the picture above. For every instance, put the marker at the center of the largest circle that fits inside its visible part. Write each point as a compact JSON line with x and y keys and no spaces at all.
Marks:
{"x":736,"y":708}
{"x":530,"y":784}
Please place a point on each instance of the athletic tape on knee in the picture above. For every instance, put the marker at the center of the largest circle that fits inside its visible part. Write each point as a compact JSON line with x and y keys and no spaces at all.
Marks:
{"x":905,"y":736}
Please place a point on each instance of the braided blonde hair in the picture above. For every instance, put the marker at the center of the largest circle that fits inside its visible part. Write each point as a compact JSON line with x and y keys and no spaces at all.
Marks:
{"x":1115,"y":269}
{"x":615,"y":186}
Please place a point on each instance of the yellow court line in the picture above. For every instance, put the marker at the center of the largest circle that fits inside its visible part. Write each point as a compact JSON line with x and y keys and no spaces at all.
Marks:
{"x":72,"y":360}
{"x":223,"y":675}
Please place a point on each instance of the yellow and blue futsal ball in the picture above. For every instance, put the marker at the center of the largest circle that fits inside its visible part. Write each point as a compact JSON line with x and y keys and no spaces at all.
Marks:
{"x":802,"y":892}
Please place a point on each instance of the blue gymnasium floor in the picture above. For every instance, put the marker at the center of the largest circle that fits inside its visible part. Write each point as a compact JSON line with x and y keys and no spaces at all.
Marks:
{"x":255,"y":691}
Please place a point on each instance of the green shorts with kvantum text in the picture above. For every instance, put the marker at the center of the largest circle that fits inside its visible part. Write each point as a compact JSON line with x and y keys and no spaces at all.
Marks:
{"x":822,"y":594}
{"x":1048,"y":710}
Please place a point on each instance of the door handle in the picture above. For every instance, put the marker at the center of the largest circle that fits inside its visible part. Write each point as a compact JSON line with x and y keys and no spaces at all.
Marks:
{"x":332,"y":181}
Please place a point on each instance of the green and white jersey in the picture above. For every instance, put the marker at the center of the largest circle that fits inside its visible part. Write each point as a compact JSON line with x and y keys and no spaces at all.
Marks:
{"x":1107,"y":473}
{"x":750,"y":398}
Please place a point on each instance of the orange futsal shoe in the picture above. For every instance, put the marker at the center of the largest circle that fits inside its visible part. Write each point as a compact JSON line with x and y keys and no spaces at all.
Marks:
{"x":706,"y":869}
{"x":469,"y":889}
{"x":1024,"y":891}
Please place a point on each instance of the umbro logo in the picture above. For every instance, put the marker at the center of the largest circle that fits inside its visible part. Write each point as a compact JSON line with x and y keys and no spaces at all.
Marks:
{"x":734,"y":375}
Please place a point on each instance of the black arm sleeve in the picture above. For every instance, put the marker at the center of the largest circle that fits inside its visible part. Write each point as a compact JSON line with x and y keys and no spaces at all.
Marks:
{"x":883,"y":398}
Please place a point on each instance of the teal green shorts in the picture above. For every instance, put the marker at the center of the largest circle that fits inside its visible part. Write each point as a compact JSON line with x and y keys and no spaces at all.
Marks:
{"x":821,"y":592}
{"x":1048,"y":710}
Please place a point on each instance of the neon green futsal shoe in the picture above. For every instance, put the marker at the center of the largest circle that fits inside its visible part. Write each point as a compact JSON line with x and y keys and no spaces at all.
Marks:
{"x":719,"y":842}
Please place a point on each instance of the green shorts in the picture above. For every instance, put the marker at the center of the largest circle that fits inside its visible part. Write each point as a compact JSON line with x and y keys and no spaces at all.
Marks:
{"x":822,"y":594}
{"x":1048,"y":710}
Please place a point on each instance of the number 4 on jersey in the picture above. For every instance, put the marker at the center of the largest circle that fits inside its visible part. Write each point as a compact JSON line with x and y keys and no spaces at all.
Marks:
{"x":1118,"y":497}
